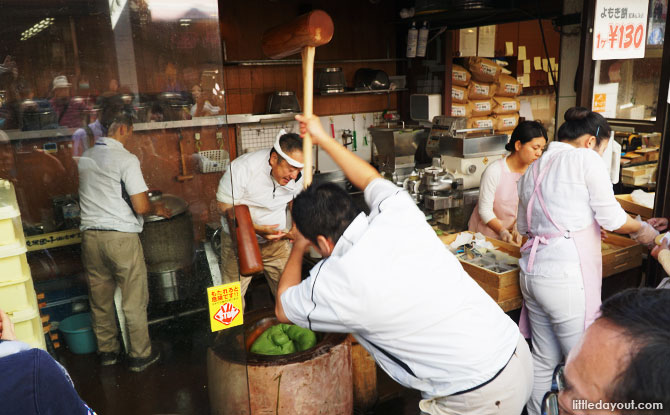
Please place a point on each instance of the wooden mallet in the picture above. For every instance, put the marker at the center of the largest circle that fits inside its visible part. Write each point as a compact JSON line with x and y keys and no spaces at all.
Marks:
{"x":303,"y":35}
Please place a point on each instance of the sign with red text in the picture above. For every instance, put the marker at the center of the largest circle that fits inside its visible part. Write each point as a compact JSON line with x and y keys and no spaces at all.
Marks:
{"x":225,"y":306}
{"x":620,"y":29}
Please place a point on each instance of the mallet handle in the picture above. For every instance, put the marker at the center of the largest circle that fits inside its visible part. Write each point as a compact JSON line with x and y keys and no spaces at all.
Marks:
{"x":308,"y":93}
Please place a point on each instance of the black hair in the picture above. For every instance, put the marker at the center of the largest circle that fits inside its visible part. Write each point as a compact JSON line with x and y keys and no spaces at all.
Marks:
{"x":642,"y":314}
{"x":326,"y":210}
{"x":115,"y":111}
{"x":289,"y":143}
{"x":525,"y":132}
{"x":580,"y":121}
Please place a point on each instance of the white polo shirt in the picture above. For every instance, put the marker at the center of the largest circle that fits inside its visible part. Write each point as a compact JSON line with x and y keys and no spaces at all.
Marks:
{"x":248,"y":182}
{"x":391,"y":282}
{"x":102,"y":168}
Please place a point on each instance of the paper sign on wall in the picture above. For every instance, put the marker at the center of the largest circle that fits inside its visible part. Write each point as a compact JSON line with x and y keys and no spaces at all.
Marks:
{"x":620,"y":29}
{"x":225,"y":306}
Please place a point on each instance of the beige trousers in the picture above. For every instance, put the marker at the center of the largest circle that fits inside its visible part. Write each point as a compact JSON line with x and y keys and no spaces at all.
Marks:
{"x":505,"y":395}
{"x":274,"y":255}
{"x":115,"y":258}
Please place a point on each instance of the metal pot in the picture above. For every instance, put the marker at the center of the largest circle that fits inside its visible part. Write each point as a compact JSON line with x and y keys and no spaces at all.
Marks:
{"x":329,"y":80}
{"x":283,"y":101}
{"x":366,"y":79}
{"x":168,"y":250}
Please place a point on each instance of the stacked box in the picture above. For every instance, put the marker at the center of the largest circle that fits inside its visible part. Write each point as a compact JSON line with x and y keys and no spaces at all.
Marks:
{"x":17,"y":294}
{"x":481,"y":91}
{"x":460,"y":81}
{"x":506,"y":113}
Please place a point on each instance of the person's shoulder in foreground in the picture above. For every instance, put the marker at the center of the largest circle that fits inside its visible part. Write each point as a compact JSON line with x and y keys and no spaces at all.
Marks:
{"x":32,"y":381}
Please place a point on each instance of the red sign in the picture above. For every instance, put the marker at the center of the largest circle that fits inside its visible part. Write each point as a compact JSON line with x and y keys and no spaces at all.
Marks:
{"x":226,"y":313}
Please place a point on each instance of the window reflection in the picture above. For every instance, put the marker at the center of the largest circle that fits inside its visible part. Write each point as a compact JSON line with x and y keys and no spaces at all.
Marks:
{"x":57,"y":65}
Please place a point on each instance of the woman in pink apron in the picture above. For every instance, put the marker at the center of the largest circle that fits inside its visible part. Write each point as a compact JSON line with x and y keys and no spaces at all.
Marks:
{"x":564,"y":200}
{"x":495,"y":213}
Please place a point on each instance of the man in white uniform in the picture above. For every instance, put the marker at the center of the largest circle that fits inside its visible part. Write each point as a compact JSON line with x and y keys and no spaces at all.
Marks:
{"x":388,"y":279}
{"x":113,"y":198}
{"x":267,"y":181}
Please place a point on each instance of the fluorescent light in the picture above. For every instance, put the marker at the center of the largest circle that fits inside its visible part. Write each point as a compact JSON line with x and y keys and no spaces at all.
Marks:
{"x":36,"y":28}
{"x":624,"y":106}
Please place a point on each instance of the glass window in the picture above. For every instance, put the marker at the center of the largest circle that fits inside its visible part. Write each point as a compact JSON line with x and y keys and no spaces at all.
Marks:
{"x":628,"y":88}
{"x":63,"y":66}
{"x":59,"y":63}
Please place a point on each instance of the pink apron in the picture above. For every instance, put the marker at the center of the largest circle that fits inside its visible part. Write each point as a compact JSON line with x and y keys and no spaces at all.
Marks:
{"x":587,"y":242}
{"x":505,"y":204}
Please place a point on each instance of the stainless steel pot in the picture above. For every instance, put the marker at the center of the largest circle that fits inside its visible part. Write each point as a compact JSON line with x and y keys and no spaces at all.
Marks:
{"x":329,"y":80}
{"x":283,"y":101}
{"x":168,"y":250}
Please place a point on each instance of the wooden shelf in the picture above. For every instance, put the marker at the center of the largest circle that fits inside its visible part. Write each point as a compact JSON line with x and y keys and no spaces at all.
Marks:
{"x":362,"y":92}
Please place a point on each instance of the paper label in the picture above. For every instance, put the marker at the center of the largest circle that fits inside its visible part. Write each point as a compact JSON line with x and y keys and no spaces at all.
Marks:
{"x":489,"y":70}
{"x":481,"y":89}
{"x":511,"y":88}
{"x":225,"y":306}
{"x":459,"y":76}
{"x":483,"y":106}
{"x":509,"y":106}
{"x":458,"y":111}
{"x":458,"y":94}
{"x":484,"y":123}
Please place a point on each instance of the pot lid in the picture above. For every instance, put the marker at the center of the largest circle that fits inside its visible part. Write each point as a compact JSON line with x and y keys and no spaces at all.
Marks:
{"x":176,"y":204}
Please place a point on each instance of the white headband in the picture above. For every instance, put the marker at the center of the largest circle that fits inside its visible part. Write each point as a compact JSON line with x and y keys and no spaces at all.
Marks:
{"x":279,"y":151}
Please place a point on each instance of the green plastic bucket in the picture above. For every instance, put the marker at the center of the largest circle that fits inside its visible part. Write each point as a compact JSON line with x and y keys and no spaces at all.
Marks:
{"x":78,"y":333}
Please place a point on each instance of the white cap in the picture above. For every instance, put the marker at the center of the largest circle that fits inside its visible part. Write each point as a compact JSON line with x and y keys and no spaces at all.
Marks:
{"x":61,"y":82}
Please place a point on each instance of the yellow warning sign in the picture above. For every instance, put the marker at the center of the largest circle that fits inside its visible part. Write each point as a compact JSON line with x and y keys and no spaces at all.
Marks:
{"x":599,"y":102}
{"x":225,"y":306}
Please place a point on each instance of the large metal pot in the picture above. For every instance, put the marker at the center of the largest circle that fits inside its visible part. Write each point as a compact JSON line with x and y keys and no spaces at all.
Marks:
{"x":168,"y":250}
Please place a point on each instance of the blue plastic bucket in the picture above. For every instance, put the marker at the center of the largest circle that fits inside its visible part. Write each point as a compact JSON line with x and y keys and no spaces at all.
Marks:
{"x":78,"y":333}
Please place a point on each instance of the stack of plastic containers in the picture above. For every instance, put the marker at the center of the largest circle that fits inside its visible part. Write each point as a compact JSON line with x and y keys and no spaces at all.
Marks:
{"x":17,"y":294}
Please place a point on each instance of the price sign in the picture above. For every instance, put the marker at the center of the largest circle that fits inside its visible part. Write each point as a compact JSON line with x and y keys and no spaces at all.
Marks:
{"x":620,"y":29}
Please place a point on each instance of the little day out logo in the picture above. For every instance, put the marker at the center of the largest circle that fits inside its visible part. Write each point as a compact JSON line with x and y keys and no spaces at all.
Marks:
{"x":225,"y":306}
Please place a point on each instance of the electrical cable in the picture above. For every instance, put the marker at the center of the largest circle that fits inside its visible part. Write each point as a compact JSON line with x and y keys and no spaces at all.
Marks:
{"x":546,"y":50}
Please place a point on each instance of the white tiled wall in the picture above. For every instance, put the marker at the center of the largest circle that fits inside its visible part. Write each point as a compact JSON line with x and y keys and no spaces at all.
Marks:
{"x":256,"y":136}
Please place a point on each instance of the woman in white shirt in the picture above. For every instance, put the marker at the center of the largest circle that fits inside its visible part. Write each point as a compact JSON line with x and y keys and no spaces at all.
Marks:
{"x":495,"y":213}
{"x":564,"y":199}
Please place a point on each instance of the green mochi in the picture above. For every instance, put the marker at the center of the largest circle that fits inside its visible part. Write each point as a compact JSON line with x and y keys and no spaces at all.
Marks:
{"x":284,"y":339}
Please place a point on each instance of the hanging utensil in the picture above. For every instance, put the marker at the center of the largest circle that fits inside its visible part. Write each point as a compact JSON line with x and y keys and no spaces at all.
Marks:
{"x":355,"y":145}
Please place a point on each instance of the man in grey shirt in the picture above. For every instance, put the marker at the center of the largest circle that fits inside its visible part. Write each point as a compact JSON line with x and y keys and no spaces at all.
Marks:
{"x":113,"y":198}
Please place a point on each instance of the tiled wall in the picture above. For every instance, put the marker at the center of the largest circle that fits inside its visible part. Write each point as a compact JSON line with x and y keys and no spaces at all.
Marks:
{"x":255,"y":136}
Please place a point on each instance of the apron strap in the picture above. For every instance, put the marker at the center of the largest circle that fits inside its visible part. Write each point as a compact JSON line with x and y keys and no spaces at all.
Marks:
{"x":535,"y":240}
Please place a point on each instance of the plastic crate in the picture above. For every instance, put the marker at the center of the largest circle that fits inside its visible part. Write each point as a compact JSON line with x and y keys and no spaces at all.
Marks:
{"x":17,"y":296}
{"x":210,"y":161}
{"x":28,"y":327}
{"x":14,"y":267}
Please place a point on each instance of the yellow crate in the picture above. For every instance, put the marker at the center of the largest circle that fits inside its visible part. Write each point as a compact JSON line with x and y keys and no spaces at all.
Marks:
{"x":28,"y":327}
{"x":14,"y":268}
{"x":17,"y":296}
{"x":11,"y":234}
